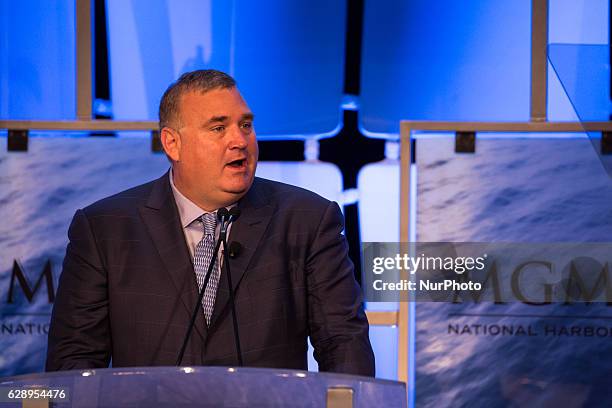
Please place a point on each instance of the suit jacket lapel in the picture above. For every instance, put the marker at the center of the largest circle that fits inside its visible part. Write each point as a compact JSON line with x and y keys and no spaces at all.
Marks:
{"x":161,"y":217}
{"x":248,"y":230}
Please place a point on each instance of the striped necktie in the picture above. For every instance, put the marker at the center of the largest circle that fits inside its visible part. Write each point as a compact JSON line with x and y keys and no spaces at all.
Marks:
{"x":202,"y":257}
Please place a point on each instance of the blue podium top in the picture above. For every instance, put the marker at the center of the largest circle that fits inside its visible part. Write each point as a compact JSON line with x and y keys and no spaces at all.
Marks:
{"x":202,"y":386}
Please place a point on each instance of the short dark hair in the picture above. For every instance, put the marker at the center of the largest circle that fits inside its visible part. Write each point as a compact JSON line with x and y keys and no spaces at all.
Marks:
{"x":202,"y":80}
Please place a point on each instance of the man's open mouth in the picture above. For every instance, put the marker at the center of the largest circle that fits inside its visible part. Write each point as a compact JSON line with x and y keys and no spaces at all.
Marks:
{"x":237,"y":163}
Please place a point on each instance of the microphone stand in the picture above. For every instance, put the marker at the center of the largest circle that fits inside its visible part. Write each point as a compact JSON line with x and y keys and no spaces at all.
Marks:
{"x":222,"y":213}
{"x":227,"y":217}
{"x":223,"y":239}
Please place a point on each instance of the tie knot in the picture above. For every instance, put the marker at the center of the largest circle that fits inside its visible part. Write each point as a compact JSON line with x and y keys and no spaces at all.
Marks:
{"x":209,"y":220}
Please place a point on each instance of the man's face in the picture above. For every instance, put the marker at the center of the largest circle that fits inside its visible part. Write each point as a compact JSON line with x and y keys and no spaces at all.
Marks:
{"x":215,"y":155}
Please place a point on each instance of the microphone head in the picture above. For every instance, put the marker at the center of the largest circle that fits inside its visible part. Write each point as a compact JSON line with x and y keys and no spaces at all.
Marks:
{"x":234,"y":212}
{"x":234,"y":249}
{"x":222,"y":213}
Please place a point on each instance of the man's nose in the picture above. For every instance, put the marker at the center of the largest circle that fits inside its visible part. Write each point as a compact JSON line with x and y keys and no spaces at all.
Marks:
{"x":238,"y":138}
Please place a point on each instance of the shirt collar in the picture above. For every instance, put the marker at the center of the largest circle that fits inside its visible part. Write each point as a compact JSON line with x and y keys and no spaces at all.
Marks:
{"x":188,"y":210}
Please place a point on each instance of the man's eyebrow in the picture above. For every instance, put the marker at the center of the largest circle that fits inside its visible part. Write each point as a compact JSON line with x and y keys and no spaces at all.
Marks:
{"x":223,"y":119}
{"x":216,"y":119}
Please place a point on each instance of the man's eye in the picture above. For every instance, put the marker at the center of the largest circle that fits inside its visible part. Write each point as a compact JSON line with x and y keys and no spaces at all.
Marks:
{"x":218,"y":129}
{"x":247,"y":125}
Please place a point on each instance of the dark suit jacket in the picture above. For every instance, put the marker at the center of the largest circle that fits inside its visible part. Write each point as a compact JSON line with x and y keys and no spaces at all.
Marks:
{"x":128,"y":287}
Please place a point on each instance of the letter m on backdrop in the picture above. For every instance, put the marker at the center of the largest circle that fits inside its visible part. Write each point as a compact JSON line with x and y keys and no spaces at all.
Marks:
{"x":26,"y":288}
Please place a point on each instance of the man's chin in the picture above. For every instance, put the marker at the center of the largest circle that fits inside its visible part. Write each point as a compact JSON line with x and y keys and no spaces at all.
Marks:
{"x":238,"y":189}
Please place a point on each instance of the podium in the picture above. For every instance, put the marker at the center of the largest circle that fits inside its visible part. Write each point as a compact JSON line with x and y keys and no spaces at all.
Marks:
{"x":199,"y":387}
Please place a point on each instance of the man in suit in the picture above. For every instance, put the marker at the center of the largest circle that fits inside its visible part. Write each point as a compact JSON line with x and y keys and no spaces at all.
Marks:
{"x":134,"y":263}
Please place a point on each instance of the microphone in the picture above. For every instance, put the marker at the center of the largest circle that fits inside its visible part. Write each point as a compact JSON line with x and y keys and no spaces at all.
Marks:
{"x":234,"y":212}
{"x":230,"y":216}
{"x":225,"y":218}
{"x":234,"y":249}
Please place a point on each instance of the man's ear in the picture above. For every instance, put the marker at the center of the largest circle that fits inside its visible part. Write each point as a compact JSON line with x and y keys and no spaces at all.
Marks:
{"x":171,"y":141}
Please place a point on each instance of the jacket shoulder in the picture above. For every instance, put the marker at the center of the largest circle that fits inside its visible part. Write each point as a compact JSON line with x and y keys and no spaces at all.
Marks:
{"x":287,"y":195}
{"x":124,"y":202}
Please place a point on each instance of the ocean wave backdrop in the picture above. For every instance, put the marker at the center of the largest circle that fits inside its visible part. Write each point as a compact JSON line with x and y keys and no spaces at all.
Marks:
{"x":513,"y":190}
{"x":40,"y":190}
